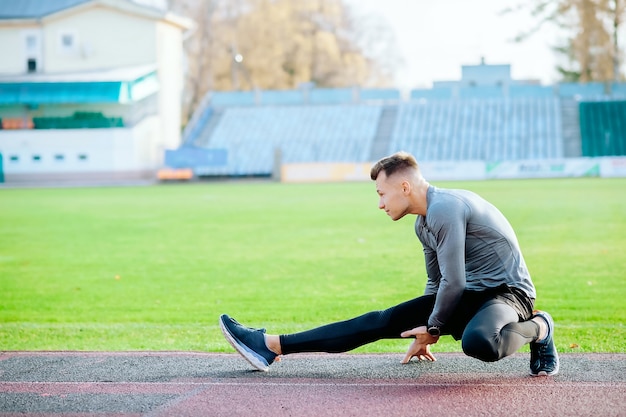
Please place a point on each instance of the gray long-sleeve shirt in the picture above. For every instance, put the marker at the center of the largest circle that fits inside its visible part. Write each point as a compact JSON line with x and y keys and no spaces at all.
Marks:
{"x":468,"y":244}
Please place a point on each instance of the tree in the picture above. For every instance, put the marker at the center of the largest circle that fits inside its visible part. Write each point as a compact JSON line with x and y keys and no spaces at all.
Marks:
{"x":199,"y":58}
{"x":279,"y":44}
{"x":592,"y":50}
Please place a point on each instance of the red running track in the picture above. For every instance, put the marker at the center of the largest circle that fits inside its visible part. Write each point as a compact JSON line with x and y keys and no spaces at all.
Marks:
{"x":200,"y":384}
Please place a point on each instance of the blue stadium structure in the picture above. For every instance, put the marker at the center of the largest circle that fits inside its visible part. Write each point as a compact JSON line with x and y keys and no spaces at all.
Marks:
{"x":485,"y":116}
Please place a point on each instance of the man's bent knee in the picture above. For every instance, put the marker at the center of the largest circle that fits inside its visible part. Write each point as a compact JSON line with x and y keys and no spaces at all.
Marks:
{"x":480,"y":346}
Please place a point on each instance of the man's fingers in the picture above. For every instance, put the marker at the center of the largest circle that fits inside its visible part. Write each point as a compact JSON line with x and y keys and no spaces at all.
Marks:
{"x":421,"y":356}
{"x":408,"y":333}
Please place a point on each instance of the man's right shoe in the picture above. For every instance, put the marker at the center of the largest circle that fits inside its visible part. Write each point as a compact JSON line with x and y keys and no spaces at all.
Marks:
{"x":249,"y":342}
{"x":544,"y":359}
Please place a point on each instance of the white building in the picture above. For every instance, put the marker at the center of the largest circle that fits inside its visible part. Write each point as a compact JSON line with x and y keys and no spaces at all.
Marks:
{"x":88,"y":88}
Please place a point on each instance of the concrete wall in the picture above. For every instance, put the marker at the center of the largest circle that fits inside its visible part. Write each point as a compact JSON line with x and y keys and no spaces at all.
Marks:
{"x":465,"y":170}
{"x":105,"y":38}
{"x":169,"y":60}
{"x":73,"y":152}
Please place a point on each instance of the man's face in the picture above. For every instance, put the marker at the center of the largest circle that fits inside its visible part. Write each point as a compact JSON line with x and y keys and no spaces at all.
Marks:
{"x":392,"y":195}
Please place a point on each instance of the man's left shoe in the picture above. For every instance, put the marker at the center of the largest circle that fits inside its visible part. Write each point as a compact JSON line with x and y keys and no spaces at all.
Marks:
{"x":249,"y":342}
{"x":544,"y":359}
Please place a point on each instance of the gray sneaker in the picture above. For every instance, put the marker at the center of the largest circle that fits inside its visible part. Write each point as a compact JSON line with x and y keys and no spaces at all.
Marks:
{"x":544,"y":359}
{"x":249,"y":342}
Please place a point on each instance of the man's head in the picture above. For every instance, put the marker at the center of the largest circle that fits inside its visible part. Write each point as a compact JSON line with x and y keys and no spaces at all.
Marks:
{"x":398,"y":184}
{"x":398,"y":162}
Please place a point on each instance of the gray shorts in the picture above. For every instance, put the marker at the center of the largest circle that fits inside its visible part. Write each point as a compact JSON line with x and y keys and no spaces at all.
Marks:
{"x":473,"y":301}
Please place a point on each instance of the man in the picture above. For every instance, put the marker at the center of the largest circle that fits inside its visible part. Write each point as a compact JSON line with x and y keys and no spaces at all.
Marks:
{"x":478,"y":289}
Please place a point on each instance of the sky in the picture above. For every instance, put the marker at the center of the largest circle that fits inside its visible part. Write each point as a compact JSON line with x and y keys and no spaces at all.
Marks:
{"x":436,"y":37}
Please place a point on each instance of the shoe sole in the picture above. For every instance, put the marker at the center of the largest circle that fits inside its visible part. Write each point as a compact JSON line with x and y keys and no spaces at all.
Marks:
{"x":248,"y":354}
{"x":544,"y":373}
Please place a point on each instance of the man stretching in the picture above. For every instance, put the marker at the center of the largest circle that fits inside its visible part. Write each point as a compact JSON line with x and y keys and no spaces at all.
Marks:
{"x":478,"y":290}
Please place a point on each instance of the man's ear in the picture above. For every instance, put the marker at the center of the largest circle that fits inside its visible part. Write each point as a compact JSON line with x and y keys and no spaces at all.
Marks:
{"x":406,"y":187}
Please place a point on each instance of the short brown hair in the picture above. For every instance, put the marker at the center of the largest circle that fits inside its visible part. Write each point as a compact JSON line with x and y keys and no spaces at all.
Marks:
{"x":397,"y":162}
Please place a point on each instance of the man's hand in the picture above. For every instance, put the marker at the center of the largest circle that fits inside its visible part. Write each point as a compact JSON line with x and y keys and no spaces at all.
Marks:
{"x":420,"y":348}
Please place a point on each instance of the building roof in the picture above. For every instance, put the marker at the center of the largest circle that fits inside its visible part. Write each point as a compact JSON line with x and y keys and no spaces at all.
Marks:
{"x":20,"y":10}
{"x":34,"y":9}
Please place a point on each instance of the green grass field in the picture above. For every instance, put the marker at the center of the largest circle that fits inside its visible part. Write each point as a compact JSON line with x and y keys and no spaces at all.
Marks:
{"x":151,"y":268}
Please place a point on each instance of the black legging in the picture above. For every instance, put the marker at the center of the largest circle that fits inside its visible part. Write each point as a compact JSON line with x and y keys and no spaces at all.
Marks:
{"x":486,"y":322}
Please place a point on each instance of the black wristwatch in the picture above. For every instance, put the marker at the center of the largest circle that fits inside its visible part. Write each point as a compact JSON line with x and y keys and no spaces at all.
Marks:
{"x":434,"y":331}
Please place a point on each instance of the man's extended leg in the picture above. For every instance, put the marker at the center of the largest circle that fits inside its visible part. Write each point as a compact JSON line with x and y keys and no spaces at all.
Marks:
{"x":261,"y":350}
{"x":367,"y":328}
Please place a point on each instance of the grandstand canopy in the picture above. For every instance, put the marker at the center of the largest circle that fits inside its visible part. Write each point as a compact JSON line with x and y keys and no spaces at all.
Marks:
{"x":112,"y":86}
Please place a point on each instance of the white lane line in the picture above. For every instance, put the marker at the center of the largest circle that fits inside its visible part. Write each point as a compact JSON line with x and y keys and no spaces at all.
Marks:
{"x":334,"y":383}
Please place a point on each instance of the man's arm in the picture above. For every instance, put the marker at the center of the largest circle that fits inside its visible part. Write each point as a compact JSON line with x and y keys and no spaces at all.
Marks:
{"x":449,"y":225}
{"x":432,"y":271}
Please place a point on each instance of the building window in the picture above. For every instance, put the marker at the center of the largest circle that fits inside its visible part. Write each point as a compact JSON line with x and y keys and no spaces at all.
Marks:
{"x":36,"y":158}
{"x":68,"y":43}
{"x":31,"y":65}
{"x":82,"y":157}
{"x":32,"y":46}
{"x":14,"y":158}
{"x":32,"y":50}
{"x":59,"y":157}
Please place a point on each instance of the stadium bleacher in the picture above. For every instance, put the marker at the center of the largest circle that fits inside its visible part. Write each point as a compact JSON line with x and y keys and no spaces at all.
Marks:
{"x":489,"y":129}
{"x":603,"y":128}
{"x":314,"y":133}
{"x":453,"y":122}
